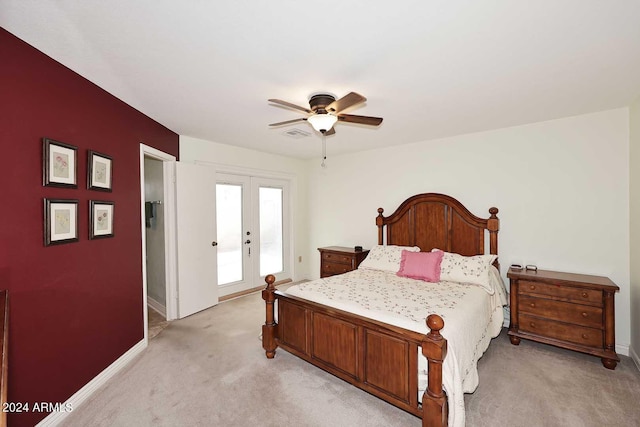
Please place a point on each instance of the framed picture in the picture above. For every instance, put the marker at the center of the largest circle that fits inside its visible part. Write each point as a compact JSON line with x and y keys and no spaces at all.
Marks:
{"x":100,"y":219}
{"x":59,"y":164}
{"x":98,"y":171}
{"x":60,"y":221}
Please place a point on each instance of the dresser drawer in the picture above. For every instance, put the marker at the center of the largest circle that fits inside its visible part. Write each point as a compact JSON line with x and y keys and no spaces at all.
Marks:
{"x":584,"y":315}
{"x":563,"y":293}
{"x":561,"y":331}
{"x":330,"y":268}
{"x":333,"y":258}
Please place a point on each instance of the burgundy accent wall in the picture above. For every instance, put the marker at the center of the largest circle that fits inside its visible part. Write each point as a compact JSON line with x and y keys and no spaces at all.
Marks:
{"x":77,"y":307}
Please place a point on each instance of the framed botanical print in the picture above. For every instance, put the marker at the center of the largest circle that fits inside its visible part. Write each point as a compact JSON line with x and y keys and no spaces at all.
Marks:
{"x":100,"y":219}
{"x":60,"y":221}
{"x":99,"y":171}
{"x":59,"y":164}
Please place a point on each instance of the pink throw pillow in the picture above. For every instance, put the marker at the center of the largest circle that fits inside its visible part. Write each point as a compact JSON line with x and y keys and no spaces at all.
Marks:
{"x":421,"y":265}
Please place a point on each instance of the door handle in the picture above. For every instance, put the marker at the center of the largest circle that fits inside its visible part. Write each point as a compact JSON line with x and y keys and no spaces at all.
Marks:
{"x":247,"y":242}
{"x":214,"y":243}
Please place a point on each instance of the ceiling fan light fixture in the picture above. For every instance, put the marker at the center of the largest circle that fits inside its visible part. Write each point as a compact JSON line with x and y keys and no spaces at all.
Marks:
{"x":322,"y":122}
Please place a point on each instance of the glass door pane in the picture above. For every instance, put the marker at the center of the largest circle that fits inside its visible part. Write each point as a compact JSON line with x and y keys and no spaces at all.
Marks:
{"x":271,"y":250}
{"x":229,"y":226}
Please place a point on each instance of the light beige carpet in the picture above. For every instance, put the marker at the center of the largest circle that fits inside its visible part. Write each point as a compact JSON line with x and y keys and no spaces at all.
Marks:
{"x":210,"y":370}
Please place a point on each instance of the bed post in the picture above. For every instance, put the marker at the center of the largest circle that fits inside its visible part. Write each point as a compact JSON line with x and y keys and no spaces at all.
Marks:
{"x":434,"y":400}
{"x":269,"y":327}
{"x":380,"y":224}
{"x":493,"y":225}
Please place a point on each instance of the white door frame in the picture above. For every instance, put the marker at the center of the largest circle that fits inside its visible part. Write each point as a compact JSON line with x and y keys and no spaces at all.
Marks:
{"x":169,"y":211}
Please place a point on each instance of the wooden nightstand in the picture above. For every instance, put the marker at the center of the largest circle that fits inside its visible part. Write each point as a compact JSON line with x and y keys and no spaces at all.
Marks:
{"x":339,"y":259}
{"x":572,"y":311}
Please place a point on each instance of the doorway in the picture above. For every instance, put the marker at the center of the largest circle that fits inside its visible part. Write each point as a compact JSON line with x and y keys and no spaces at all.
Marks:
{"x":155,"y":245}
{"x":252,"y":215}
{"x":157,"y":174}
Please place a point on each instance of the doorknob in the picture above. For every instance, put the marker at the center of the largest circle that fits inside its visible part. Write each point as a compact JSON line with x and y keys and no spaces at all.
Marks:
{"x":214,"y":243}
{"x":247,"y":242}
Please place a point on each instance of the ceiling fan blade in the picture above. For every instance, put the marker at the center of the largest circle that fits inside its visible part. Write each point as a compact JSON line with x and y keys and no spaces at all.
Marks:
{"x":288,"y":122}
{"x":345,"y":102}
{"x":364,"y":120}
{"x":290,"y":105}
{"x":330,"y":132}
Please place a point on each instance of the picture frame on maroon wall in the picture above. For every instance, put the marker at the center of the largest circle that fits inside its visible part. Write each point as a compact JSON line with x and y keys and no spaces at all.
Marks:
{"x":99,"y":167}
{"x":59,"y":164}
{"x":101,"y":219}
{"x":60,"y":221}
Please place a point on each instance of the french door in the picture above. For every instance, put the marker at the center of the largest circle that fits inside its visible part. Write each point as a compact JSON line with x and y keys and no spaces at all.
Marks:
{"x":252,"y":217}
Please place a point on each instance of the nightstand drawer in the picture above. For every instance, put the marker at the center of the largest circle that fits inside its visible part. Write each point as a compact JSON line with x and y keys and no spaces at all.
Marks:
{"x":563,"y":293}
{"x":561,"y":331}
{"x":330,"y":268}
{"x":564,"y":311}
{"x":337,"y":258}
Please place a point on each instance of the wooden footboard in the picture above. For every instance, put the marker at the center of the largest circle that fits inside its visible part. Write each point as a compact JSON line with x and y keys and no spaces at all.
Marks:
{"x":379,"y":358}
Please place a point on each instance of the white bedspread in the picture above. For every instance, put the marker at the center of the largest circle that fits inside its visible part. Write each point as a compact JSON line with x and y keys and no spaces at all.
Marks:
{"x":471,"y":316}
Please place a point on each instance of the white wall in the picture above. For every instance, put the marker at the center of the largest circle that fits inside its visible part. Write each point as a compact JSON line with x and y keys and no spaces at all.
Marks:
{"x":634,"y":197}
{"x":562,"y":188}
{"x":228,"y":158}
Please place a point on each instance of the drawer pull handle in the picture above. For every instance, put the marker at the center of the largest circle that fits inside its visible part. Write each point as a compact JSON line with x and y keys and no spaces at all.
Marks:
{"x":584,"y":314}
{"x":585,"y":336}
{"x":532,"y":287}
{"x":585,"y":295}
{"x":533,"y":304}
{"x":533,"y":325}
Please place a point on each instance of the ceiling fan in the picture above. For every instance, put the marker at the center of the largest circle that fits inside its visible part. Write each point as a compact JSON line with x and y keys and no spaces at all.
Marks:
{"x":324,"y":111}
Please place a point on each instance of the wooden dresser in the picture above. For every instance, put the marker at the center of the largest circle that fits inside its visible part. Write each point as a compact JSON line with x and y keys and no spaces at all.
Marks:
{"x":572,"y":311}
{"x":339,"y":259}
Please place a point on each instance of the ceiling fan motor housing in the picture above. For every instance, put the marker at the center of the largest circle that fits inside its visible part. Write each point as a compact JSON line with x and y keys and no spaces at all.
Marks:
{"x":319,"y":102}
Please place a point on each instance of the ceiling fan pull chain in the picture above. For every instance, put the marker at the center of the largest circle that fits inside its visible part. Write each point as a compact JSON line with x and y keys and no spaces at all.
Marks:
{"x":324,"y":149}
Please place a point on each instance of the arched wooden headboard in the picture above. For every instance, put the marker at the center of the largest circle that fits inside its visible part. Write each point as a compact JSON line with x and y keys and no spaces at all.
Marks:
{"x":433,"y":220}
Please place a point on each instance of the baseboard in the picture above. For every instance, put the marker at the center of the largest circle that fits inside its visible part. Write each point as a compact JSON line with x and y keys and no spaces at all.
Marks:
{"x":85,"y":392}
{"x":157,"y":306}
{"x":623,"y":349}
{"x":634,"y":357}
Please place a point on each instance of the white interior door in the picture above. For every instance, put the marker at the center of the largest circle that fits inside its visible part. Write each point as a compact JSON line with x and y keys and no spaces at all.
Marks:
{"x":196,"y":238}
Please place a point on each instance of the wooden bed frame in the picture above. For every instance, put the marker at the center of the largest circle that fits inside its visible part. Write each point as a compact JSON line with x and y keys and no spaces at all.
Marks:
{"x":377,"y":357}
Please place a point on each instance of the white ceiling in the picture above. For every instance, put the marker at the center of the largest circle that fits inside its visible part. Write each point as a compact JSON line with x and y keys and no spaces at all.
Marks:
{"x":431,"y":68}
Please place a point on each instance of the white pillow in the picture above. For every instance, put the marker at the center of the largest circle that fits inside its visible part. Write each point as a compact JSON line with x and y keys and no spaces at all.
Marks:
{"x":385,"y":257}
{"x":467,"y":269}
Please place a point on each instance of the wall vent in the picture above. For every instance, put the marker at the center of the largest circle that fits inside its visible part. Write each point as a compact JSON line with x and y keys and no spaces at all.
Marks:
{"x":296,"y":133}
